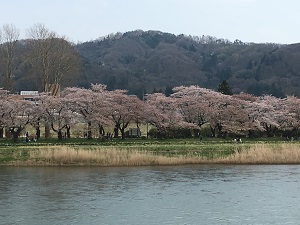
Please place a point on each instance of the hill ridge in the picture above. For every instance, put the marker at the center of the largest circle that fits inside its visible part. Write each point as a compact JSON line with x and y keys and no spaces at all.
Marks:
{"x":145,"y":61}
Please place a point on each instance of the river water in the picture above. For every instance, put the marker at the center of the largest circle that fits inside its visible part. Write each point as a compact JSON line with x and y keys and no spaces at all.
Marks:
{"x":202,"y":194}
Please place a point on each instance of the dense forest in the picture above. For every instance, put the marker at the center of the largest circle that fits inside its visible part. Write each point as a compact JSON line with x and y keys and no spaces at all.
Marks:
{"x":152,"y":61}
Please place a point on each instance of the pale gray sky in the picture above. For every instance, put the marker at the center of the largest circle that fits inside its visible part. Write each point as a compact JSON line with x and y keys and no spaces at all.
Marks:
{"x":257,"y":21}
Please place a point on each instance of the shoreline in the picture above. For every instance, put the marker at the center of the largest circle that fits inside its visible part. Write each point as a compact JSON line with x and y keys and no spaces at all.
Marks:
{"x":112,"y":156}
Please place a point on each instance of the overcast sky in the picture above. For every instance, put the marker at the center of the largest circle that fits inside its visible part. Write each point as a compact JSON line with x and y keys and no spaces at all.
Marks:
{"x":260,"y":21}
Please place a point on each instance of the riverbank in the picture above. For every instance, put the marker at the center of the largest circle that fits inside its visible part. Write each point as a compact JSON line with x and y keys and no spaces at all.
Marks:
{"x":154,"y":153}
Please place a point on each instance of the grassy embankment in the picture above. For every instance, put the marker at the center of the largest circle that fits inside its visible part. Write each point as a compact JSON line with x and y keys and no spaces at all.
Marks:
{"x":147,"y":152}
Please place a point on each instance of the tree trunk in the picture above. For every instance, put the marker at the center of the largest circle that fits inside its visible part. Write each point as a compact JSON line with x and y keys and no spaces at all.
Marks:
{"x":213,"y":131}
{"x":123,"y":133}
{"x":58,"y":131}
{"x":196,"y":133}
{"x":89,"y":131}
{"x":250,"y":133}
{"x":38,"y":133}
{"x":15,"y":133}
{"x":1,"y":132}
{"x":270,"y":131}
{"x":220,"y":127}
{"x":159,"y":134}
{"x":15,"y":136}
{"x":116,"y":132}
{"x":101,"y":131}
{"x":7,"y":133}
{"x":122,"y":129}
{"x":59,"y":134}
{"x":68,"y":131}
{"x":224,"y":134}
{"x":47,"y":130}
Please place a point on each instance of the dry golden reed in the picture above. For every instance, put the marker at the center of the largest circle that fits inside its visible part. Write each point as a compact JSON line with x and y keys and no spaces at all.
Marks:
{"x":279,"y":153}
{"x":103,"y":157}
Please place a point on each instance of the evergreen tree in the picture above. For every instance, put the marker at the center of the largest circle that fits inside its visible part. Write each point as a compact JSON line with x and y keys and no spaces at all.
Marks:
{"x":168,"y":91}
{"x":224,"y":88}
{"x":276,"y":91}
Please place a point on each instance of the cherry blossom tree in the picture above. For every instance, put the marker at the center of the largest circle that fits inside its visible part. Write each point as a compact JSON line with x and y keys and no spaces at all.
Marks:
{"x":194,"y":105}
{"x":249,"y":102}
{"x":103,"y":105}
{"x":225,"y":114}
{"x":92,"y":104}
{"x":17,"y":115}
{"x":270,"y":114}
{"x":289,"y":109}
{"x":233,"y":115}
{"x":162,"y":112}
{"x":57,"y":113}
{"x":269,"y":111}
{"x":293,"y":104}
{"x":82,"y":101}
{"x":36,"y":120}
{"x":125,"y":109}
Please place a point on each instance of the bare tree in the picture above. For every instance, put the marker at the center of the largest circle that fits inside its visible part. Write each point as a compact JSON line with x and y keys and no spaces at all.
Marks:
{"x":52,"y":58}
{"x":41,"y":43}
{"x":10,"y":36}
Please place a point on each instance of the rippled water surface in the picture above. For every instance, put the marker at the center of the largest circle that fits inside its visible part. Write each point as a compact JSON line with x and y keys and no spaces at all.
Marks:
{"x":151,"y":195}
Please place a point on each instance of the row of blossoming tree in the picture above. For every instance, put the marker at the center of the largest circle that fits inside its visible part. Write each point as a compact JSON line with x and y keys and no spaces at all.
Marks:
{"x":187,"y":108}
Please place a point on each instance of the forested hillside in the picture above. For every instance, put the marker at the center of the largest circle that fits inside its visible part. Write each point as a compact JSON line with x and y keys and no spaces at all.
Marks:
{"x":147,"y":61}
{"x":151,"y":61}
